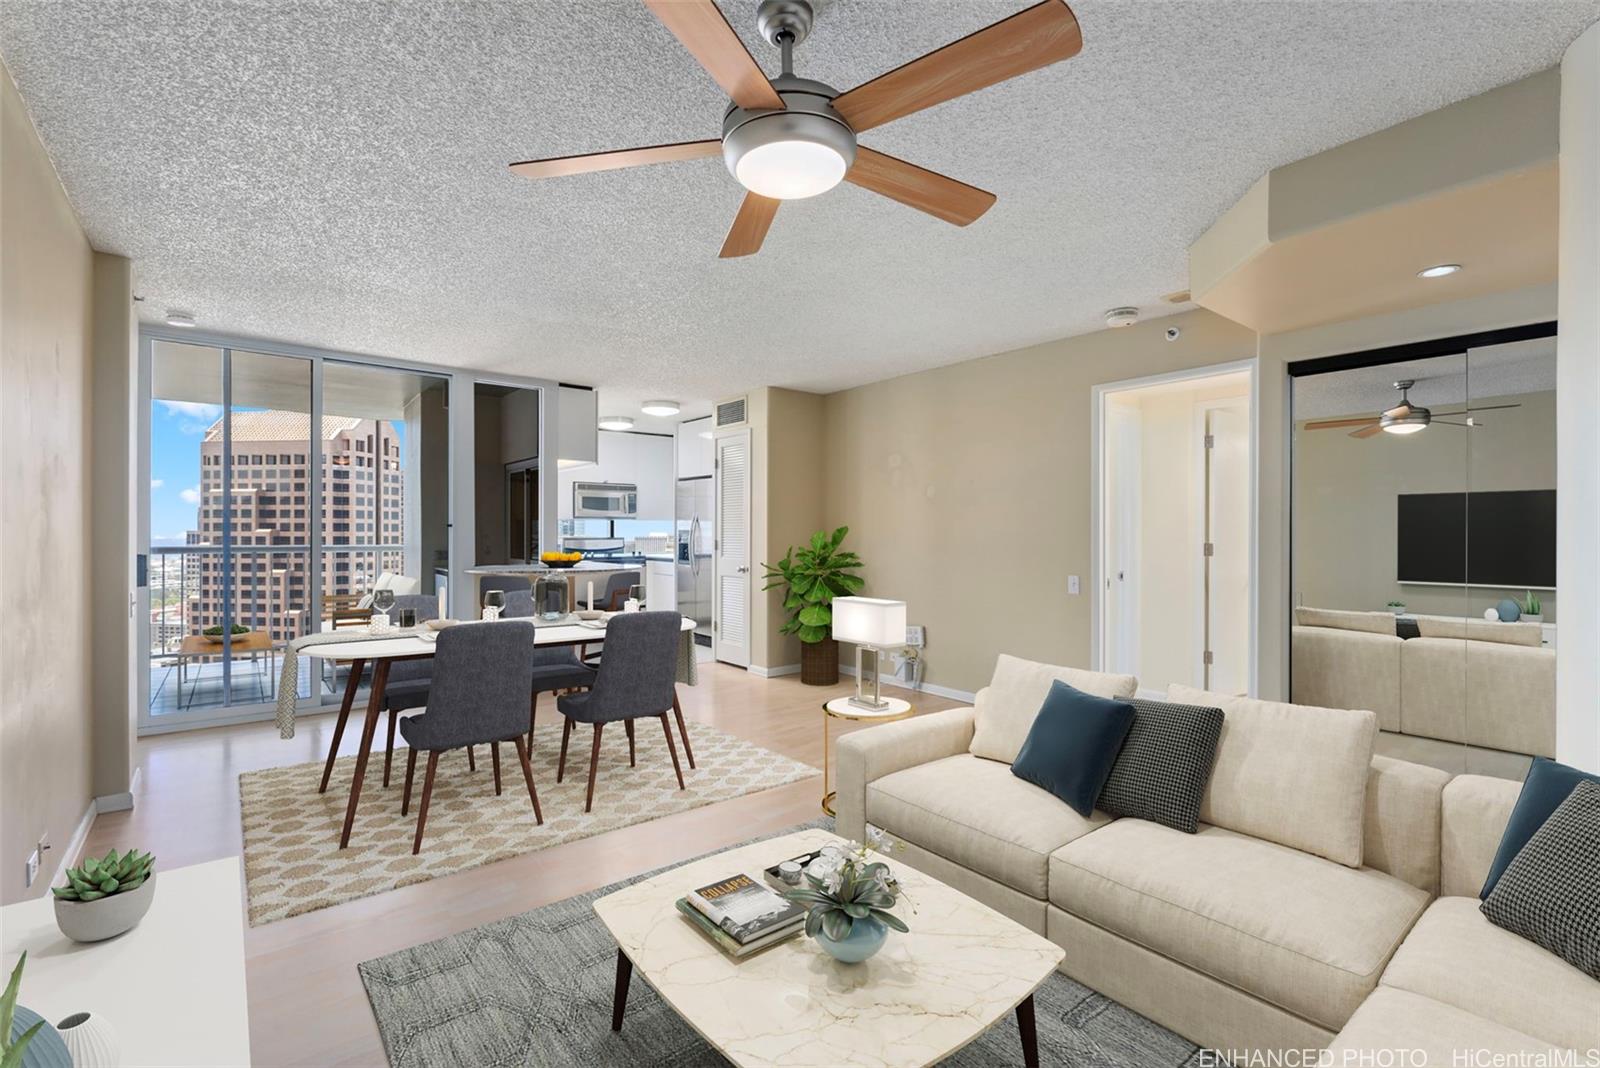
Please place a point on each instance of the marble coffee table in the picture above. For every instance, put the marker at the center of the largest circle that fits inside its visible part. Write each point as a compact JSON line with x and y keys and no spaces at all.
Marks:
{"x":922,"y":997}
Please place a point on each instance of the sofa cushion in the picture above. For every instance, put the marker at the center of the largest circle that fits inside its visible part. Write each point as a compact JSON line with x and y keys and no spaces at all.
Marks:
{"x":1303,"y":933}
{"x":1550,"y":894}
{"x":1487,"y":694}
{"x":1005,"y":708}
{"x":1398,"y":1027}
{"x":1480,"y":630}
{"x":1455,"y":955}
{"x":1338,"y":619}
{"x":1346,"y":669}
{"x":1292,"y":774}
{"x":1547,"y":785}
{"x":976,"y":813}
{"x":1165,"y":763}
{"x":1072,"y":744}
{"x":1473,"y":811}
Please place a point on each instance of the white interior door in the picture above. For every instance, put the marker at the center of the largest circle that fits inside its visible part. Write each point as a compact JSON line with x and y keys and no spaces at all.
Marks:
{"x":1121,"y":579}
{"x":730,"y":622}
{"x":1228,"y":522}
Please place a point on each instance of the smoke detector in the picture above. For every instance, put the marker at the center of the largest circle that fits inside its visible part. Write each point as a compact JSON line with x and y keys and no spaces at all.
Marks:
{"x":1122,"y":317}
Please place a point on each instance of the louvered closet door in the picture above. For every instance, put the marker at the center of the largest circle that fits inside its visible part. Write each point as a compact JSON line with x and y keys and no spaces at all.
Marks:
{"x":731,"y":608}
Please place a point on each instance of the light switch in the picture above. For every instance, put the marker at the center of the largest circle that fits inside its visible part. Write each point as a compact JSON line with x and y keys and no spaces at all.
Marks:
{"x":1074,"y":587}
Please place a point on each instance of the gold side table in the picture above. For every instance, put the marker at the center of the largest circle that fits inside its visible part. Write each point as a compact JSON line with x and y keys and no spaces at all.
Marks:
{"x":841,"y":708}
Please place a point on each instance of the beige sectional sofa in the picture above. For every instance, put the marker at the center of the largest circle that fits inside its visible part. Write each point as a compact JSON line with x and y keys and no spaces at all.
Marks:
{"x":1489,"y":686}
{"x":1306,"y":911}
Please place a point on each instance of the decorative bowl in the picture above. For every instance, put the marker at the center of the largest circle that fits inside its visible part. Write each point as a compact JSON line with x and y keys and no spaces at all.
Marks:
{"x":589,"y":613}
{"x":558,"y":563}
{"x":441,"y":624}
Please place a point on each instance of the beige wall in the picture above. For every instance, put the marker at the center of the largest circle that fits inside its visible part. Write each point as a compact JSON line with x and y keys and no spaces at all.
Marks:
{"x":46,"y":281}
{"x":1345,"y":500}
{"x":787,"y":447}
{"x":967,"y":488}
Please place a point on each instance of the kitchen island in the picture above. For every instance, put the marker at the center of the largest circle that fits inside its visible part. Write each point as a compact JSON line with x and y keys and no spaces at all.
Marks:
{"x":579,"y":576}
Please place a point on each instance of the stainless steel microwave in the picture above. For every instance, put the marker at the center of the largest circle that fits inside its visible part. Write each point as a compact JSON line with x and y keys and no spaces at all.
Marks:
{"x":605,"y":500}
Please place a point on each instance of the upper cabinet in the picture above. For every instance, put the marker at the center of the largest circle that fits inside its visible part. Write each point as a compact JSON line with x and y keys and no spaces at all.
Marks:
{"x":644,"y":460}
{"x":695,"y":448}
{"x":577,"y":437}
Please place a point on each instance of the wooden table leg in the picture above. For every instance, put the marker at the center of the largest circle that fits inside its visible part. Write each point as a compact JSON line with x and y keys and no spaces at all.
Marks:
{"x":380,"y":679}
{"x":1030,"y":1037}
{"x":356,"y":667}
{"x":619,"y":994}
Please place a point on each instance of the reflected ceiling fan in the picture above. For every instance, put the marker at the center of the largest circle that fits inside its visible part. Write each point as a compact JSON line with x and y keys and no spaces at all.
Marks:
{"x":792,"y":137}
{"x":1405,"y":417}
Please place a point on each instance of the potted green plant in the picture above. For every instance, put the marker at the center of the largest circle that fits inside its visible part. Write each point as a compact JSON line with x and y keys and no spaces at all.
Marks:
{"x":105,"y":896}
{"x":1397,"y":607}
{"x":811,"y":577}
{"x":22,"y":1029}
{"x":1532,"y":609}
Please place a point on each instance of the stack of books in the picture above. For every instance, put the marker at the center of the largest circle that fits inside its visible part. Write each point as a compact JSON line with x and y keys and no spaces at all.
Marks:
{"x":741,"y":916}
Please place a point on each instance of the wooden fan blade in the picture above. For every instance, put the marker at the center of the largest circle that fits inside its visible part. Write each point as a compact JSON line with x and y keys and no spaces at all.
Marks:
{"x":1368,"y":431}
{"x":917,"y":187}
{"x":1043,"y":34}
{"x":750,"y":226}
{"x":1334,"y":424}
{"x":705,"y":32}
{"x":622,"y":157}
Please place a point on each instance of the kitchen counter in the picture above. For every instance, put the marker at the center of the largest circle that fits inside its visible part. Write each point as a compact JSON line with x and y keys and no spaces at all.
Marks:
{"x":583,"y":567}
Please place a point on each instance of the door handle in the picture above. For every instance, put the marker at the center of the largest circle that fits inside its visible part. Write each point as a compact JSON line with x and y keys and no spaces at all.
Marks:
{"x":744,"y":570}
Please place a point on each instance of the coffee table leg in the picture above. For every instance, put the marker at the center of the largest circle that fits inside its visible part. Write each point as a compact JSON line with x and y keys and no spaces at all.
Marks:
{"x":619,"y":996}
{"x":1030,"y":1037}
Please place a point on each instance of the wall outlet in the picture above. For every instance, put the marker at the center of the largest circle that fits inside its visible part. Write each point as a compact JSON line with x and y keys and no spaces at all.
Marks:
{"x":1074,"y":586}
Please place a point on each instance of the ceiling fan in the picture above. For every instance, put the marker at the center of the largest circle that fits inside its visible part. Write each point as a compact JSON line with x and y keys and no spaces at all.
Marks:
{"x":793,"y":137}
{"x":1405,"y":417}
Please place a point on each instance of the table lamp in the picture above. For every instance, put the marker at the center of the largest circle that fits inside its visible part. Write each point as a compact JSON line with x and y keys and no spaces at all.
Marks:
{"x":871,"y":623}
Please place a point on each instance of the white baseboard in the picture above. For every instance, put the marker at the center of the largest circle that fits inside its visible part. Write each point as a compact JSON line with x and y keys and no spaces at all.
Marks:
{"x":927,"y":687}
{"x":119,"y":802}
{"x":774,"y":672}
{"x":69,"y":855}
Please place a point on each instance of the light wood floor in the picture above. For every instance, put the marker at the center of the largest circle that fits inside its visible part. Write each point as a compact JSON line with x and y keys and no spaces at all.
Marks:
{"x":307,"y":1005}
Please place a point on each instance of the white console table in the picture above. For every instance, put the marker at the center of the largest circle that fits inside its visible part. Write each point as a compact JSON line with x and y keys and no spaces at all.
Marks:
{"x":173,"y":987}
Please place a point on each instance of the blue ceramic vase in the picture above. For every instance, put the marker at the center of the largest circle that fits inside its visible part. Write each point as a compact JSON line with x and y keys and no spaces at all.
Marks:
{"x":866,"y":937}
{"x":45,"y":1049}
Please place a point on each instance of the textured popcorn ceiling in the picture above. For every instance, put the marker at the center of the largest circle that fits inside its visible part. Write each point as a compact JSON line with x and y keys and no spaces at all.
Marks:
{"x":334,"y":172}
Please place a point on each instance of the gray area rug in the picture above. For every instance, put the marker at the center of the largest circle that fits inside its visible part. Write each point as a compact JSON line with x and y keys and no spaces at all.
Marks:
{"x":535,"y":989}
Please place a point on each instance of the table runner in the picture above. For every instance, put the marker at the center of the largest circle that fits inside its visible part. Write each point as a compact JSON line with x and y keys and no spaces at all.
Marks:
{"x":688,"y":671}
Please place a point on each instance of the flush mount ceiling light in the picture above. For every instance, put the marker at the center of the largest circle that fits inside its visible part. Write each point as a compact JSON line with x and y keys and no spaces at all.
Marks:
{"x":789,"y":137}
{"x":1439,"y":270}
{"x":615,"y":422}
{"x":179,"y":318}
{"x":659,"y":407}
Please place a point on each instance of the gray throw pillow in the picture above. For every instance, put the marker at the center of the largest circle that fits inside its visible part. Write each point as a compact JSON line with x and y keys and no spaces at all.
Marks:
{"x":1550,"y":892}
{"x":1164,"y":765}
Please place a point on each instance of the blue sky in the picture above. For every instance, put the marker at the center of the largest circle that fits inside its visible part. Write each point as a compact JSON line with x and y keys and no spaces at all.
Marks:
{"x":176,"y":430}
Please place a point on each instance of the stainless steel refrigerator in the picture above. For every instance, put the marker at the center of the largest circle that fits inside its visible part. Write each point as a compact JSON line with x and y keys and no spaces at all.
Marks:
{"x":695,"y":531}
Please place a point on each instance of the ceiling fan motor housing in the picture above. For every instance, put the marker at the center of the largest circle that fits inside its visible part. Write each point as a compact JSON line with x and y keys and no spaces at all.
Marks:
{"x":808,"y":115}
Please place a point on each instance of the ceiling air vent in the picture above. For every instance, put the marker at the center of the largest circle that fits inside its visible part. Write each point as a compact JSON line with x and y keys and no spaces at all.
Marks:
{"x":731,"y":412}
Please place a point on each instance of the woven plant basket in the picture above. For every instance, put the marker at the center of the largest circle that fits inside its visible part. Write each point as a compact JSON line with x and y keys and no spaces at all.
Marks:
{"x":819,"y":662}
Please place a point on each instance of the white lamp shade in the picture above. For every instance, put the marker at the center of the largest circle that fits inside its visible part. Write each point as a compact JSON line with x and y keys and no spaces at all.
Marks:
{"x":869,"y":621}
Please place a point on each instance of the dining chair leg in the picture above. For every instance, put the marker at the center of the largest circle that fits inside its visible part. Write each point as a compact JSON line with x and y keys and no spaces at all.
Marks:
{"x":411,"y":773}
{"x":472,"y":761}
{"x":627,"y":725}
{"x":566,"y":735}
{"x":527,"y":775}
{"x":388,"y":750}
{"x":494,"y":753}
{"x":683,"y":732}
{"x":667,"y":727}
{"x":594,"y":765}
{"x":356,"y":668}
{"x":533,"y":714}
{"x":427,"y":792}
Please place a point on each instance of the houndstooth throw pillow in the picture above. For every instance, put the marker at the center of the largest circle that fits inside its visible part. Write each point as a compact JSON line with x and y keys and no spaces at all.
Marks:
{"x":1550,"y":893}
{"x":1164,"y":766}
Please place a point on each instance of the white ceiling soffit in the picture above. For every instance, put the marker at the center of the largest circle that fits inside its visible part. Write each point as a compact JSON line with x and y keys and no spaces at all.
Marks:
{"x":1442,"y":381}
{"x":334,"y":173}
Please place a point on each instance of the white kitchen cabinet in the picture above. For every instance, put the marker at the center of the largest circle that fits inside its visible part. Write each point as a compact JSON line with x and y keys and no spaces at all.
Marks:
{"x":577,"y":433}
{"x":661,"y":585}
{"x":696,"y":450}
{"x":623,"y":456}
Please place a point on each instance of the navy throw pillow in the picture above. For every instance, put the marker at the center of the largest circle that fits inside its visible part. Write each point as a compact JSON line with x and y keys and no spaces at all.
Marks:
{"x":1073,"y":744}
{"x":1546,"y":786}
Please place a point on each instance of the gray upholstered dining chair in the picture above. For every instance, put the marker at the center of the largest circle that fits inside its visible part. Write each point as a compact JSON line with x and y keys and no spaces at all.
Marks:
{"x":478,"y":695}
{"x":637,"y":680}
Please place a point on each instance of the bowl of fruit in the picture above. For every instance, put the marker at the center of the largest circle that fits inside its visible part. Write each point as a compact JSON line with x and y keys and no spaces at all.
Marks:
{"x":559,"y":559}
{"x":214,"y":634}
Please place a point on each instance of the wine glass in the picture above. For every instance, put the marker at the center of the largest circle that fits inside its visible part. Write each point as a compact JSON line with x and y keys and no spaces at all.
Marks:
{"x":495,"y":602}
{"x":383,"y":600}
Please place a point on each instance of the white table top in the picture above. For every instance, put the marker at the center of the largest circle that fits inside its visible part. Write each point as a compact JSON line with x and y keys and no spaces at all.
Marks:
{"x":841,"y":708}
{"x":922,"y":997}
{"x":173,"y":988}
{"x":409,"y":645}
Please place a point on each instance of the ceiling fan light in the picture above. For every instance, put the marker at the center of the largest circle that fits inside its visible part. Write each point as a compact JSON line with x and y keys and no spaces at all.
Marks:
{"x":1439,"y":270}
{"x":615,"y":422}
{"x":790,"y":170}
{"x":659,"y":407}
{"x":1404,"y":428}
{"x":789,"y":155}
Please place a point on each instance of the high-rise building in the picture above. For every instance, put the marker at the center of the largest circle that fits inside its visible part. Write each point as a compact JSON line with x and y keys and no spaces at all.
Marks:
{"x":269,"y":480}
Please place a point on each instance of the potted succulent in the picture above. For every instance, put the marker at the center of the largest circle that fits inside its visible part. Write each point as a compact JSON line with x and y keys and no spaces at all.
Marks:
{"x":811,"y":577}
{"x":1397,"y":607}
{"x":1532,"y":610}
{"x":105,"y":896}
{"x":848,"y":901}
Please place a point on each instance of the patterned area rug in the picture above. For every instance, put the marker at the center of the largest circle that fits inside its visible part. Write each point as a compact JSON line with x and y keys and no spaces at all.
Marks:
{"x":292,"y":859}
{"x":536,"y":989}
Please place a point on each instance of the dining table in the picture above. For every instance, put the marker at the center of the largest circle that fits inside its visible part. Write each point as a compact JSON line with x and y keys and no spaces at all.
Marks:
{"x":381,"y":653}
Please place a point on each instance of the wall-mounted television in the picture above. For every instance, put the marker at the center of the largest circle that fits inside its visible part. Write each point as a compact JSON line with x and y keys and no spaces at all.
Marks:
{"x":1505,"y":539}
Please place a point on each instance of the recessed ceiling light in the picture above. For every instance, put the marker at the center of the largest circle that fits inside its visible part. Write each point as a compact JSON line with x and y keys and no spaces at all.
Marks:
{"x":179,"y":318}
{"x":615,"y":422}
{"x":659,"y":407}
{"x":1439,"y":270}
